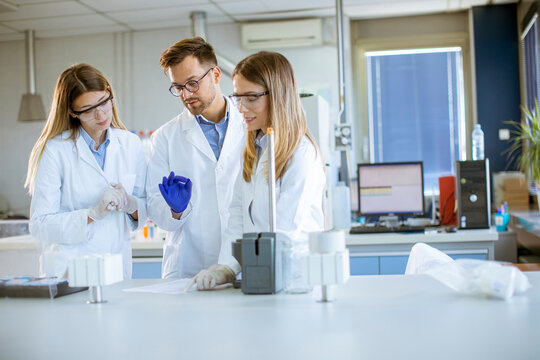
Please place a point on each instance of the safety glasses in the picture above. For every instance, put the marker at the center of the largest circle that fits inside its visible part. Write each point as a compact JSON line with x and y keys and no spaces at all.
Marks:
{"x":92,"y":112}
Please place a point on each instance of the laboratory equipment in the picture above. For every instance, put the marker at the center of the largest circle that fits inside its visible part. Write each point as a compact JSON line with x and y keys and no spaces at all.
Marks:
{"x":95,"y":271}
{"x":328,"y":262}
{"x":261,"y":254}
{"x":391,"y":189}
{"x":477,"y":143}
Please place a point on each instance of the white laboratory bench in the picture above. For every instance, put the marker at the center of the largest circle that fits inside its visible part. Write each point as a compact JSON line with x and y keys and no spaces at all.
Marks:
{"x":371,"y":254}
{"x":374,"y":317}
{"x":19,"y":255}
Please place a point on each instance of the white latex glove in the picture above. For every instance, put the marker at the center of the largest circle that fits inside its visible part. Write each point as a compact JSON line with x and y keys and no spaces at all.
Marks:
{"x":128,"y":203}
{"x":108,"y":202}
{"x":210,"y":278}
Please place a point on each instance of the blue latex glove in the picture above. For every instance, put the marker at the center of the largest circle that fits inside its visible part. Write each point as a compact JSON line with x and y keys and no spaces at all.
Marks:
{"x":176,"y":190}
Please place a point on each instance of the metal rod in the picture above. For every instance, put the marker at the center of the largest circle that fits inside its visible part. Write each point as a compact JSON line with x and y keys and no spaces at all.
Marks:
{"x":198,"y":28}
{"x":198,"y":23}
{"x":30,"y":61}
{"x":96,"y":295}
{"x":272,"y":178}
{"x":328,"y":293}
{"x":341,"y":60}
{"x":342,"y":115}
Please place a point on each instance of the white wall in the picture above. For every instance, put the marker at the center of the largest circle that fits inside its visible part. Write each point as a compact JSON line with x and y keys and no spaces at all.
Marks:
{"x":131,"y":63}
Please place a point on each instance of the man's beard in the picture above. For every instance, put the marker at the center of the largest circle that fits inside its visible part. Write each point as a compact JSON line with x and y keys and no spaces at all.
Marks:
{"x":202,"y":106}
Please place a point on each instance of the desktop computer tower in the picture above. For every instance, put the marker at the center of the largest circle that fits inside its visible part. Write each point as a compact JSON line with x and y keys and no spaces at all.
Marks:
{"x":472,"y":194}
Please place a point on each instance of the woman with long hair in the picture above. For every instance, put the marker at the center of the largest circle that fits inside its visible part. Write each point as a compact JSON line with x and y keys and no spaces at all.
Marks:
{"x":266,"y":94}
{"x":86,"y":175}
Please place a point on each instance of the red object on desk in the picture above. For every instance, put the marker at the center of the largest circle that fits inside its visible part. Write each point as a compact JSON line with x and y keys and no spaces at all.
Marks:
{"x":447,"y":200}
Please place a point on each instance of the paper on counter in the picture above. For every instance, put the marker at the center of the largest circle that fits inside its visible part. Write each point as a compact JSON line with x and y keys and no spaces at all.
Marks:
{"x":171,"y":287}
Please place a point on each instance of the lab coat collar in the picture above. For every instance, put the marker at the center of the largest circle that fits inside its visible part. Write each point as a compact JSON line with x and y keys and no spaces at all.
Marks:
{"x":195,"y":135}
{"x":81,"y":147}
{"x":235,"y":129}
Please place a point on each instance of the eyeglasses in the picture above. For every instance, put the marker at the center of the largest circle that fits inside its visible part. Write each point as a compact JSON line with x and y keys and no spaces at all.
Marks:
{"x":191,"y":86}
{"x":92,"y":112}
{"x":247,"y":100}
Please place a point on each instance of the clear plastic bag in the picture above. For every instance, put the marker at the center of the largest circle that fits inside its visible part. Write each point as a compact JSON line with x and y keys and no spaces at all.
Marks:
{"x":481,"y":277}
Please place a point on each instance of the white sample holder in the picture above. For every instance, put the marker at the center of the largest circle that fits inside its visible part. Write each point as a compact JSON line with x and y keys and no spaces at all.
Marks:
{"x":95,"y":271}
{"x":328,"y":262}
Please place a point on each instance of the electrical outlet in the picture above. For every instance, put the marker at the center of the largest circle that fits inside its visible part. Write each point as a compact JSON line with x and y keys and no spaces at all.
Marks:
{"x":343,"y":136}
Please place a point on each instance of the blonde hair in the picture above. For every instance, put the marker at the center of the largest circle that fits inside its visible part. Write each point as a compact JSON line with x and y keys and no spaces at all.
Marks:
{"x":73,"y":82}
{"x":286,"y":114}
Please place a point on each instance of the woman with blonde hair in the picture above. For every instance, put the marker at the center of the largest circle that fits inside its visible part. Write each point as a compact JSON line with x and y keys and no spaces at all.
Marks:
{"x":265,"y":93}
{"x":86,"y":175}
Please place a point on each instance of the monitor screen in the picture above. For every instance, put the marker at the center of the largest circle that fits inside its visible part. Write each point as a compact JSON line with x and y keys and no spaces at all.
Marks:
{"x":391,"y":188}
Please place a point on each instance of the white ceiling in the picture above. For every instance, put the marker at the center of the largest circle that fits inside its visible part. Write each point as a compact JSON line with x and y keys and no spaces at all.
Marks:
{"x":51,"y":18}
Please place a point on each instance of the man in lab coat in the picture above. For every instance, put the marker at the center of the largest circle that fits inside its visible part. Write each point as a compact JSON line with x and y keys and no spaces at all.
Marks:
{"x":196,"y":157}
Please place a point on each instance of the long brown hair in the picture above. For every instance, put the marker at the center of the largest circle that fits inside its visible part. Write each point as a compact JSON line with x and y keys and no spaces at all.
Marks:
{"x":73,"y":82}
{"x":286,"y":114}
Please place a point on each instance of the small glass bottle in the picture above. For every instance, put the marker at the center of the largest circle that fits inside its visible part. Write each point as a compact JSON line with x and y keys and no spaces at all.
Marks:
{"x":477,"y":143}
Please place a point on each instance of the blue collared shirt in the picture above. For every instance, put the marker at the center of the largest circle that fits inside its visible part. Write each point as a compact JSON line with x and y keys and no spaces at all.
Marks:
{"x":215,"y":132}
{"x":100,"y":153}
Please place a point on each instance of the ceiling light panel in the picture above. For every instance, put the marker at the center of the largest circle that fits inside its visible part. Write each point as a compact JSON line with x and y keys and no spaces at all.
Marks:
{"x":285,"y":15}
{"x":5,"y":30}
{"x":398,"y":8}
{"x":234,"y":8}
{"x":25,"y":2}
{"x":54,"y":9}
{"x":80,"y":31}
{"x":180,"y":13}
{"x":175,"y":23}
{"x":288,"y":5}
{"x":125,"y":5}
{"x":64,"y":22}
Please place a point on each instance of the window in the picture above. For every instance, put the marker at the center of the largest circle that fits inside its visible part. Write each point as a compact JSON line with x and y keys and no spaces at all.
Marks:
{"x":416,"y":109}
{"x":529,"y":42}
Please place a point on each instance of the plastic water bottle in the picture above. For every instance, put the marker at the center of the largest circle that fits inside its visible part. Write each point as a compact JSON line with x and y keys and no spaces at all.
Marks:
{"x":341,"y":206}
{"x":477,"y":143}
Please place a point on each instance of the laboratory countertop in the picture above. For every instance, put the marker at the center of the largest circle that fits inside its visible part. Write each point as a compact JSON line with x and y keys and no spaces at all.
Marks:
{"x":28,"y":242}
{"x":478,"y":235}
{"x":528,"y":219}
{"x":374,"y":317}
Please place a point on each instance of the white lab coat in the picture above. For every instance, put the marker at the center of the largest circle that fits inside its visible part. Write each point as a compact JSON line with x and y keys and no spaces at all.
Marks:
{"x":193,"y":242}
{"x":69,"y":181}
{"x":299,"y":201}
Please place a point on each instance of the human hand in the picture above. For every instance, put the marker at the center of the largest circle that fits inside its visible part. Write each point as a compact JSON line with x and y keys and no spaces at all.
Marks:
{"x":210,"y":278}
{"x":176,"y":190}
{"x":108,"y":202}
{"x":128,"y":203}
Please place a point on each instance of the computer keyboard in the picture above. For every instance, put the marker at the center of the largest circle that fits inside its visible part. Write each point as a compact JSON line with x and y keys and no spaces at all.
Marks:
{"x":363,"y":229}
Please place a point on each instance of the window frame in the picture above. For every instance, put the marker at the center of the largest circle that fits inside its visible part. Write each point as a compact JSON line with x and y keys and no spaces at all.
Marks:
{"x":404,"y":43}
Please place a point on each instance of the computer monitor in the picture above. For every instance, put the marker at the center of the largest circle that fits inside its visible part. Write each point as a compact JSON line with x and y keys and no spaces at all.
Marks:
{"x":391,"y":189}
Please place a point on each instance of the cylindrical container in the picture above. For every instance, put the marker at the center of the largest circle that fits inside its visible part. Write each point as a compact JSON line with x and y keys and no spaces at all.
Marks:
{"x":295,"y":267}
{"x":145,"y":231}
{"x":341,"y":207}
{"x":477,"y":143}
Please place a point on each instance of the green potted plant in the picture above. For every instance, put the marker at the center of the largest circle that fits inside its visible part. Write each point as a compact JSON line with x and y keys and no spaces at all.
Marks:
{"x":525,"y":144}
